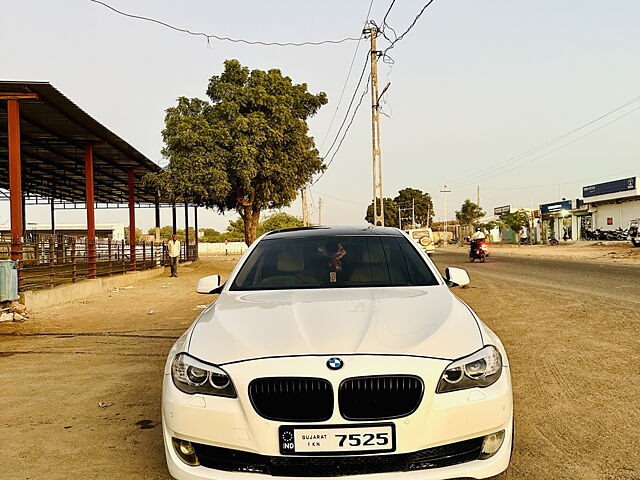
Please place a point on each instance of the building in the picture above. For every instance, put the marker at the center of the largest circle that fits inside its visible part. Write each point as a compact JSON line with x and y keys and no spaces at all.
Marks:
{"x":113,"y":231}
{"x":566,"y":220}
{"x":612,"y":205}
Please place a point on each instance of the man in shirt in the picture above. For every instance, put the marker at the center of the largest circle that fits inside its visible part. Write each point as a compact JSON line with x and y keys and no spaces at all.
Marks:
{"x":173,"y":247}
{"x":478,"y":235}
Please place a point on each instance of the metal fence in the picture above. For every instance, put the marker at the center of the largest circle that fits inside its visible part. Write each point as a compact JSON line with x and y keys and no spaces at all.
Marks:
{"x":50,"y":260}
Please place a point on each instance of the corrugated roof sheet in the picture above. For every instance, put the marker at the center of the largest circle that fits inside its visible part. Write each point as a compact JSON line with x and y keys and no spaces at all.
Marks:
{"x":54,"y":132}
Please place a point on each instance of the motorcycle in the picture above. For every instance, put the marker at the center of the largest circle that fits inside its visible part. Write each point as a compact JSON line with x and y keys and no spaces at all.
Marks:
{"x":553,"y":240}
{"x":479,"y":250}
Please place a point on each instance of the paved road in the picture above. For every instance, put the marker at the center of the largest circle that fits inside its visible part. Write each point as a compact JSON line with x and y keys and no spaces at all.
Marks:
{"x":609,"y":280}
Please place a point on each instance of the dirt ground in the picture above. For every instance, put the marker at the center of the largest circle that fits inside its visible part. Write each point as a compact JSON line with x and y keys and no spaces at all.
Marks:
{"x":574,"y":364}
{"x":616,"y":252}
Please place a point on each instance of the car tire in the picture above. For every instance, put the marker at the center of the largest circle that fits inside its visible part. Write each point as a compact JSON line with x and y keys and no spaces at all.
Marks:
{"x":636,"y":243}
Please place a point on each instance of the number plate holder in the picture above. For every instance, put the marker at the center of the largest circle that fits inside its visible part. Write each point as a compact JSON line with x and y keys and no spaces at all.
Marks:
{"x":337,"y":439}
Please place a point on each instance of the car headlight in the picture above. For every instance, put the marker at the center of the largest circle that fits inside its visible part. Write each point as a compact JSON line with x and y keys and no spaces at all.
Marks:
{"x":480,"y":369}
{"x":193,"y":376}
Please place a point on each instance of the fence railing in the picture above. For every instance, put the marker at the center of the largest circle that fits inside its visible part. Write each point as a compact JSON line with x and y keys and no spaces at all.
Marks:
{"x":50,"y":260}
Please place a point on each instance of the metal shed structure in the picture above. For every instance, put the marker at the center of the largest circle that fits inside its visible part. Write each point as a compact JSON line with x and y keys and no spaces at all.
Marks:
{"x":53,"y":152}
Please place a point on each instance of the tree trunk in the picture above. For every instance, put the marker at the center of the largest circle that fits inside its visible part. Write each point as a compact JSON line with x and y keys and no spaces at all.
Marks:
{"x":250,"y":218}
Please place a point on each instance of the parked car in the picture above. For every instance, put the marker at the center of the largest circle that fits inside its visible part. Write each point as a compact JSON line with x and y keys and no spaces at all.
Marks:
{"x":337,"y":352}
{"x":424,"y":238}
{"x":633,"y":232}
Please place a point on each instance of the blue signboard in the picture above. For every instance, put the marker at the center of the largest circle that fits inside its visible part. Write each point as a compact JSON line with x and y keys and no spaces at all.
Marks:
{"x":609,"y":187}
{"x":556,"y":206}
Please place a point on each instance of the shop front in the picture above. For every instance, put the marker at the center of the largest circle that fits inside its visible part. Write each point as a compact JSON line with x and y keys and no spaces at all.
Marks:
{"x":612,"y":205}
{"x":565,"y":220}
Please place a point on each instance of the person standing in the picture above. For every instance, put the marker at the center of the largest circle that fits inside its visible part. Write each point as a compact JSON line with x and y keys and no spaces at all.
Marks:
{"x":173,"y":247}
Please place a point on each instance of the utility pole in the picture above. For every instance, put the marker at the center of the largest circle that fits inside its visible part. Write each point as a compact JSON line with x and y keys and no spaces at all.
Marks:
{"x":444,"y":191}
{"x":320,"y":211}
{"x":413,"y":213}
{"x":399,"y":218}
{"x":305,"y":207}
{"x":378,"y":205}
{"x":478,"y":196}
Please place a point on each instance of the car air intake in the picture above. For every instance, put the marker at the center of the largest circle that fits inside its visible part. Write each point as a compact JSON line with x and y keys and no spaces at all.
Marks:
{"x":379,"y":397}
{"x":332,"y":466}
{"x":292,"y":399}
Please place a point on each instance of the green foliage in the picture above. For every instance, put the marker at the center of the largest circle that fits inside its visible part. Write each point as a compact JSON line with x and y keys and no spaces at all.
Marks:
{"x":516,"y":221}
{"x":487,"y":227}
{"x":247,"y":150}
{"x":423,"y":205}
{"x":390,"y":213}
{"x":165,"y":232}
{"x":469,"y":213}
{"x":278,"y":221}
{"x":275,"y":221}
{"x":138,"y":235}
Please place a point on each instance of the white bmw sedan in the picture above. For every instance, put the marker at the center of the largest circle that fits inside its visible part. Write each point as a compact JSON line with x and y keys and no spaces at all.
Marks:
{"x":337,"y":352}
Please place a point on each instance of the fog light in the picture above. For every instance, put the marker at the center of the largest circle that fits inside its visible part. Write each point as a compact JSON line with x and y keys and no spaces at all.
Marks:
{"x":491,"y":445}
{"x":185,"y":451}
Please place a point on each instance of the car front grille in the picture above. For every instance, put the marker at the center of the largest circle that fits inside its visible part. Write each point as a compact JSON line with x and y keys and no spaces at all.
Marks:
{"x":239,"y":461}
{"x":292,"y":399}
{"x":379,"y":397}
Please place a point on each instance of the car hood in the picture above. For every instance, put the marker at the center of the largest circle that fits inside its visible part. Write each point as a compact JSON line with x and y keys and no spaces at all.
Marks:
{"x":423,"y":321}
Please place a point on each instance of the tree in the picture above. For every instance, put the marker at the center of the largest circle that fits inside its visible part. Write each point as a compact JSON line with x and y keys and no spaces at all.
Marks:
{"x":275,"y":221}
{"x":469,"y":213}
{"x":165,"y":232}
{"x":210,"y":235}
{"x":516,"y":221}
{"x":390,"y":213}
{"x":138,"y":234}
{"x":423,"y":204}
{"x":247,"y":149}
{"x":278,"y":221}
{"x":235,"y":229}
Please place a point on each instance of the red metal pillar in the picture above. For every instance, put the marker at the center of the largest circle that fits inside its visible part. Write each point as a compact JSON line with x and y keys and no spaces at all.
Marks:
{"x":15,"y":182}
{"x":132,"y":222}
{"x":91,"y":216}
{"x":195,"y":226}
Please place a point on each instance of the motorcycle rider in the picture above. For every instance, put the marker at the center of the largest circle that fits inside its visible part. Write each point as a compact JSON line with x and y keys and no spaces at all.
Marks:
{"x":478,"y":235}
{"x":476,"y":239}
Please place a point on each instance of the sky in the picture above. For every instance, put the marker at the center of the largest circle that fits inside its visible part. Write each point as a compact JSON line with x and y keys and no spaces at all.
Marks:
{"x":474,"y":85}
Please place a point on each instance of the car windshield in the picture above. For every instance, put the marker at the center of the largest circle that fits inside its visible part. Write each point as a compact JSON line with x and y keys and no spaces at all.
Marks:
{"x":338,"y":261}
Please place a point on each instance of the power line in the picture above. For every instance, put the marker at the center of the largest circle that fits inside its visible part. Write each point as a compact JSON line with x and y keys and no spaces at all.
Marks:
{"x":364,"y":92}
{"x":346,"y":81}
{"x":415,"y":20}
{"x":499,"y":168}
{"x":339,"y":199}
{"x":561,"y":146}
{"x":209,"y":36}
{"x":346,"y":116}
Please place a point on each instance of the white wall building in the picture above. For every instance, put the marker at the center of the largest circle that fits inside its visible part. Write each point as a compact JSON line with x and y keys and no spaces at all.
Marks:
{"x":613,"y":205}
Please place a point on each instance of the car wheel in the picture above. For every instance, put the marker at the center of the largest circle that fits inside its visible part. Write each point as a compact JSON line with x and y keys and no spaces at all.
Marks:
{"x":636,"y":243}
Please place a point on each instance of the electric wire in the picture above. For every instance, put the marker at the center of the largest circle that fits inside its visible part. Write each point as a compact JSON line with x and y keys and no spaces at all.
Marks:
{"x":415,"y":20}
{"x":209,"y":36}
{"x":346,"y":81}
{"x":338,"y":199}
{"x":346,"y":116}
{"x":471,"y":177}
{"x":353,"y":116}
{"x":490,"y":174}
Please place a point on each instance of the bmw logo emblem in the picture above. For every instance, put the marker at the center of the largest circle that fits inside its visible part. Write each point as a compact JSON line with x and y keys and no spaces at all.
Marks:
{"x":335,"y":363}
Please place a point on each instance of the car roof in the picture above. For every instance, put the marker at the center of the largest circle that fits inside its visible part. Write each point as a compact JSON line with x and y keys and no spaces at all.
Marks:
{"x":333,"y":231}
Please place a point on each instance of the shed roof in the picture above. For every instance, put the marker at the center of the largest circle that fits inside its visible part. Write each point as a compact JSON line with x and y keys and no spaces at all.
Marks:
{"x":53,"y":134}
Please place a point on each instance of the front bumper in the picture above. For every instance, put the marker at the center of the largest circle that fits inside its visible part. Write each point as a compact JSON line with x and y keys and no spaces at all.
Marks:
{"x":441,"y":420}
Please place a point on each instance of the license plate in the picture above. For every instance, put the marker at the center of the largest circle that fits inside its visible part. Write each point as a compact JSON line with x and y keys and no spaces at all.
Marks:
{"x":337,"y":439}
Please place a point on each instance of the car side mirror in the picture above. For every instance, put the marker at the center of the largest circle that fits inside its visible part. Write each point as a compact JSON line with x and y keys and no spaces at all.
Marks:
{"x":456,"y":277}
{"x":209,"y":285}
